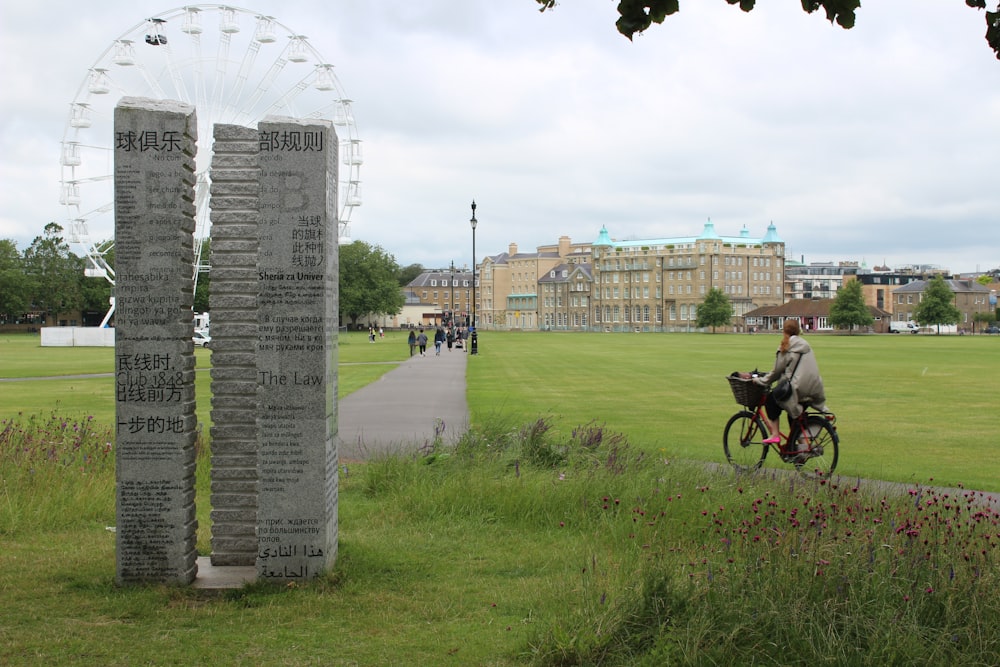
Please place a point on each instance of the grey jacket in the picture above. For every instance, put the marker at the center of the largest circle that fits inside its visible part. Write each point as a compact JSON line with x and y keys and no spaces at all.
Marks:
{"x":799,"y":364}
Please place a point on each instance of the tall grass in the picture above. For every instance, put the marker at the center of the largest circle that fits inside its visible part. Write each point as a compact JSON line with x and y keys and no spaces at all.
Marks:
{"x":669,"y":563}
{"x":555,"y":536}
{"x":523,"y":545}
{"x":56,"y":473}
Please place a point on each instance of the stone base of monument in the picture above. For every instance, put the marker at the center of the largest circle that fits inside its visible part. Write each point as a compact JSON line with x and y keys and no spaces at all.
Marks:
{"x":212,"y":577}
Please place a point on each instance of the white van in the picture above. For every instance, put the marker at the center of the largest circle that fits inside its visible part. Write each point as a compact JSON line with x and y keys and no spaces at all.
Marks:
{"x":903,"y":327}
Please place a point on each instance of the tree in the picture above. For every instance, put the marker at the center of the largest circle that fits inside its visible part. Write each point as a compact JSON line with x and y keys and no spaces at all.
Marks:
{"x":848,"y":309}
{"x":983,"y":319}
{"x":407,"y":274}
{"x":54,"y":273}
{"x":637,"y":15}
{"x":368,"y":282}
{"x":937,"y":305}
{"x":14,"y":300}
{"x":203,"y":290}
{"x":715,"y":310}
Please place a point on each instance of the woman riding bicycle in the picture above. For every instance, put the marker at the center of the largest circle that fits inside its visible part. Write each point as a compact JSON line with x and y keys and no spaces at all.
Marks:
{"x":796,"y":363}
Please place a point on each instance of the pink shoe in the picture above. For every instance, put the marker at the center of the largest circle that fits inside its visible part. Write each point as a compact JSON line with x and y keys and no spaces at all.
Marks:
{"x":773,"y":440}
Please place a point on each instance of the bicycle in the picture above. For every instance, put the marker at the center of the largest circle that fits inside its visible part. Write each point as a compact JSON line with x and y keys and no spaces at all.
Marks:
{"x":813,"y":430}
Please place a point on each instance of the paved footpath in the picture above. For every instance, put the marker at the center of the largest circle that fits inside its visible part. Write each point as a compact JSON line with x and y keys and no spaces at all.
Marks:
{"x":406,"y":408}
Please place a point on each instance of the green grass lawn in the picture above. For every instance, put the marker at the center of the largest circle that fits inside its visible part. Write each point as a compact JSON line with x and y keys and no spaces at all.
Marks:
{"x":910,"y":408}
{"x":606,"y":555}
{"x":21,"y":356}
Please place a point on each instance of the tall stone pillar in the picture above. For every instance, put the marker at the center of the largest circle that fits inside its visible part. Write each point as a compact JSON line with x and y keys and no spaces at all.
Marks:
{"x":297,"y":349}
{"x":154,"y":355}
{"x":235,"y":221}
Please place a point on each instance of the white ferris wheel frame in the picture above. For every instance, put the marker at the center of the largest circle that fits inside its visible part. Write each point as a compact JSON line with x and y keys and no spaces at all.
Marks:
{"x":223,"y":88}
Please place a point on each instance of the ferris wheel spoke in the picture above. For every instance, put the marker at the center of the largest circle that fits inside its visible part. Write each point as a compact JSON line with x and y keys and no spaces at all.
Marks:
{"x":249,"y":58}
{"x":284,"y":104}
{"x":232,"y":73}
{"x":268,"y":79}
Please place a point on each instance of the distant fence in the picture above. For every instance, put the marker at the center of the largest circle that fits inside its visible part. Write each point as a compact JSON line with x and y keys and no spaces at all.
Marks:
{"x":78,"y":337}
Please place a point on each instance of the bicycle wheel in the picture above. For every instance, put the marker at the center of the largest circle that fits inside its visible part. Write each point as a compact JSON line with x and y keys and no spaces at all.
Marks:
{"x":743,"y":439}
{"x":824,"y":447}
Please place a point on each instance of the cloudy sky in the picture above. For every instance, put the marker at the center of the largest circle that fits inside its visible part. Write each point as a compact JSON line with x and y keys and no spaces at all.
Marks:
{"x":878,"y":144}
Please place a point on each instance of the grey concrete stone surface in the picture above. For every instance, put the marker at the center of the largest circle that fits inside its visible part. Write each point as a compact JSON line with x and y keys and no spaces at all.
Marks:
{"x":296,"y":349}
{"x":408,"y":407}
{"x":235,"y":222}
{"x":154,"y":355}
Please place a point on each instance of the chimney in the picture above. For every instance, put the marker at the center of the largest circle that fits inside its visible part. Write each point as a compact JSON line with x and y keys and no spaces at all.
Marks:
{"x":512,"y":249}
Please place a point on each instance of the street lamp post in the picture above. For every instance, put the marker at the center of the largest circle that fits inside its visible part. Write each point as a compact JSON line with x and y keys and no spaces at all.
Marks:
{"x":474,"y":338}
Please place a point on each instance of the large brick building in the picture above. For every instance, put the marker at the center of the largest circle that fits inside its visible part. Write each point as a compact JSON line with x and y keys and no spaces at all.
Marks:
{"x":643,"y":285}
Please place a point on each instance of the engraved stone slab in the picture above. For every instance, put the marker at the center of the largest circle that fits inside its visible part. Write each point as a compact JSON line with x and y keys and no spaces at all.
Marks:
{"x":297,"y":349}
{"x":154,"y":356}
{"x":235,"y":220}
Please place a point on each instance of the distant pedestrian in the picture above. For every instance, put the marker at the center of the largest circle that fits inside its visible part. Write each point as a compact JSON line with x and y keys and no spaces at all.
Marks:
{"x":450,"y":338}
{"x":412,"y":342}
{"x":422,"y":343}
{"x":381,"y":332}
{"x":438,"y":339}
{"x":371,"y":334}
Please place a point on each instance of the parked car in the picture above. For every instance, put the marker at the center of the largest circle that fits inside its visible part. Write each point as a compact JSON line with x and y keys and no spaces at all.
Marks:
{"x":903,"y":327}
{"x":201,"y":339}
{"x":992,"y":330}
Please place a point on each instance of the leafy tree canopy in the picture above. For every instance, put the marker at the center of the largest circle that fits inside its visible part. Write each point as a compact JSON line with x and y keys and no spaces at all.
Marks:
{"x":368,"y":282}
{"x":54,"y":273}
{"x":408,"y":274}
{"x":202,"y":291}
{"x":848,"y":309}
{"x":715,"y":310}
{"x":937,"y":305}
{"x":637,"y":15}
{"x":13,"y":283}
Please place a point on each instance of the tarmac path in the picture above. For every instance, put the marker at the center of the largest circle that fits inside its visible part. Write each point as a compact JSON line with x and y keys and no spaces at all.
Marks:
{"x":407,"y":408}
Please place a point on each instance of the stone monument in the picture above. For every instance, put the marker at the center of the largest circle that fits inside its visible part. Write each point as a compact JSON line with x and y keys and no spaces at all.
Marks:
{"x":154,"y":355}
{"x":297,"y":349}
{"x":235,"y":220}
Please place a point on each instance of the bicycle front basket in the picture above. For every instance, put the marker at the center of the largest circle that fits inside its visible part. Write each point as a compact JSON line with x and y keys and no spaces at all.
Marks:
{"x":747,"y":392}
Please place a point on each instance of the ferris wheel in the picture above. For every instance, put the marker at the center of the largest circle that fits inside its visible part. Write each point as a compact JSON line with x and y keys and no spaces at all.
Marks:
{"x":235,"y":66}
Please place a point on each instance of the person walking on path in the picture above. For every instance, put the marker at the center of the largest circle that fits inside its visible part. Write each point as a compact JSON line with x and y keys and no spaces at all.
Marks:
{"x":438,"y":339}
{"x":422,"y":343}
{"x":412,"y":342}
{"x":450,"y":338}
